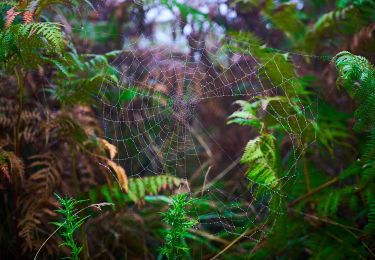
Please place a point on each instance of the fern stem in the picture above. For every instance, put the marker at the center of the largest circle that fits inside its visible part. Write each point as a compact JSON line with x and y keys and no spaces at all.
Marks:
{"x":74,"y":172}
{"x":306,"y":173}
{"x":16,"y":217}
{"x":85,"y":248}
{"x":246,"y":232}
{"x":21,"y":86}
{"x":78,"y":193}
{"x":327,"y":221}
{"x":205,"y":180}
{"x":307,"y":177}
{"x":312,"y":192}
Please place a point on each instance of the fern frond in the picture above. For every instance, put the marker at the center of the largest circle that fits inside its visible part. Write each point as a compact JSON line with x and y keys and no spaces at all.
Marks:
{"x":370,"y":227}
{"x":27,"y":44}
{"x":86,"y":73}
{"x":68,"y":128}
{"x":47,"y":174}
{"x":283,"y":16}
{"x":120,"y":174}
{"x":44,"y":179}
{"x":12,"y":165}
{"x":260,"y":157}
{"x":51,"y":32}
{"x":105,"y":145}
{"x":275,"y":67}
{"x":28,"y":17}
{"x":249,"y":112}
{"x":11,"y":15}
{"x":357,"y":75}
{"x":37,"y":6}
{"x":345,"y":20}
{"x":4,"y":168}
{"x":140,"y":187}
{"x":33,"y":214}
{"x":329,"y":203}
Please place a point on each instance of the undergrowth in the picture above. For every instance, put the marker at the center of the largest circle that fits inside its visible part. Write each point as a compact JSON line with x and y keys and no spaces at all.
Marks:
{"x":180,"y":221}
{"x":69,"y":225}
{"x":304,"y":184}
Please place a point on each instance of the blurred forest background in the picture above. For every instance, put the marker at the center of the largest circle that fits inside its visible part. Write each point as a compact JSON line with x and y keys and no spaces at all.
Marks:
{"x":190,"y":129}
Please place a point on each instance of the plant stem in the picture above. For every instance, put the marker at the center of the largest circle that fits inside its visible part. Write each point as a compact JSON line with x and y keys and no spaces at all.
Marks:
{"x":74,"y":172}
{"x":78,"y":193}
{"x":306,"y":173}
{"x":312,"y":192}
{"x":21,"y":86}
{"x":85,"y":249}
{"x":246,"y":232}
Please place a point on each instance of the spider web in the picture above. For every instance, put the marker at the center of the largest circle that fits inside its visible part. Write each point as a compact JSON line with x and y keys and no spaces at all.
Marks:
{"x":156,"y":122}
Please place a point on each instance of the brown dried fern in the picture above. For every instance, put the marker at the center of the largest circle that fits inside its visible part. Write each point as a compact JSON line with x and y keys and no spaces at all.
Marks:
{"x":363,"y":42}
{"x":11,"y":15}
{"x":36,"y":202}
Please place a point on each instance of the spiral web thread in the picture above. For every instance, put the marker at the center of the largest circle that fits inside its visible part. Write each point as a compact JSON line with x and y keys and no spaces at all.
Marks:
{"x":158,"y":129}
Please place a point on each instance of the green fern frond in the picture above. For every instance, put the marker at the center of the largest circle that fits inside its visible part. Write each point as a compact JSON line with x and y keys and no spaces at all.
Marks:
{"x":139,"y":188}
{"x":368,"y":157}
{"x":357,"y":75}
{"x":274,"y":66}
{"x":346,"y":20}
{"x":28,"y":44}
{"x":329,"y":203}
{"x":370,"y":227}
{"x":282,"y":15}
{"x":246,"y":115}
{"x":51,"y":32}
{"x":260,"y":157}
{"x":97,"y":61}
{"x":86,"y":73}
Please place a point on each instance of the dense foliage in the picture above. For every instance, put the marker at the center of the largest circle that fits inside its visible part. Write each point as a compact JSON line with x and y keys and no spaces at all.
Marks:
{"x":285,"y":171}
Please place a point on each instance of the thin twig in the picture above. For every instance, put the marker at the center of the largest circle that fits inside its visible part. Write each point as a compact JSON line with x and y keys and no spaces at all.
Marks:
{"x":21,"y":85}
{"x":306,"y":173}
{"x":209,"y":236}
{"x":205,"y":180}
{"x":312,"y":192}
{"x":223,"y":173}
{"x":349,"y":229}
{"x":200,"y":168}
{"x":328,"y":221}
{"x":247,"y":231}
{"x":201,"y":141}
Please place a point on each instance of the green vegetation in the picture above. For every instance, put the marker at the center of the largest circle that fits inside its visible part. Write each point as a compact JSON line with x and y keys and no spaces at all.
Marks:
{"x":175,"y":246}
{"x":213,"y":129}
{"x":69,"y":225}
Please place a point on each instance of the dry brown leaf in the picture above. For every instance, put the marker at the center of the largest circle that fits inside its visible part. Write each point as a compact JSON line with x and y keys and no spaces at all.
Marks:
{"x":28,"y":17}
{"x":122,"y":178}
{"x":11,"y":15}
{"x":109,"y":147}
{"x":5,"y":170}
